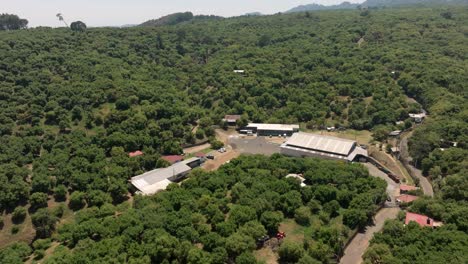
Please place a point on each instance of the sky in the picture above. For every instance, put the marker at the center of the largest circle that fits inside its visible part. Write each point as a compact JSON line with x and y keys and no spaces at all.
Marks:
{"x":97,"y":13}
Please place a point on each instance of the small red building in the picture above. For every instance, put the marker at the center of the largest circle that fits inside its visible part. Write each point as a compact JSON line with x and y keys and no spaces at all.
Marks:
{"x":422,"y":220}
{"x":135,"y":154}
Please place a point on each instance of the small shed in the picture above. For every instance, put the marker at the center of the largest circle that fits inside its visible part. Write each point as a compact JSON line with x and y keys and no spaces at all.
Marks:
{"x":231,"y":119}
{"x":395,"y":133}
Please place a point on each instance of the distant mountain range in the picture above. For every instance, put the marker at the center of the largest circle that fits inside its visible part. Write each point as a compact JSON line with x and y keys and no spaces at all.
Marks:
{"x":177,"y":18}
{"x":372,"y":3}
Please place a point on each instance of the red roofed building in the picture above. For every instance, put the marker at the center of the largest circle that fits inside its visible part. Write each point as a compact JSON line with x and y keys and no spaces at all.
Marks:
{"x":406,"y":198}
{"x":173,"y":158}
{"x":422,"y":220}
{"x":135,"y":154}
{"x":407,"y":188}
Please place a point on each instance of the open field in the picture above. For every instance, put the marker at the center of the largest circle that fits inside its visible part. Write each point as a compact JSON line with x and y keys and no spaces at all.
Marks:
{"x":361,"y":136}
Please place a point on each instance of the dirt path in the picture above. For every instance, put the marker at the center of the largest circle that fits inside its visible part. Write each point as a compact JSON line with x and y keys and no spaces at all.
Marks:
{"x":354,"y":251}
{"x":220,"y":159}
{"x":196,"y":149}
{"x":405,"y":159}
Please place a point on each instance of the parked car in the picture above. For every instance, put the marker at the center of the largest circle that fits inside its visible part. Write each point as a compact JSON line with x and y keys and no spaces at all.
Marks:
{"x":211,"y":157}
{"x":222,"y":150}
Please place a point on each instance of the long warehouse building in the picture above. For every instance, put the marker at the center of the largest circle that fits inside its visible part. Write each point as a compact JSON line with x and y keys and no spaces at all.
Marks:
{"x":156,"y":180}
{"x":313,"y":145}
{"x":270,"y":129}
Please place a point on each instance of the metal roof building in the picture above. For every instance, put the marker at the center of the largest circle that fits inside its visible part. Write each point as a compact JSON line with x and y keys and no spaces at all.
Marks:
{"x":271,"y":129}
{"x":313,"y":145}
{"x":153,"y":181}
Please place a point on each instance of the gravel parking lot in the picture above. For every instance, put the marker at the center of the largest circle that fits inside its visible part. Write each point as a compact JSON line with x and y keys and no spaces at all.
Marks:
{"x":253,"y":145}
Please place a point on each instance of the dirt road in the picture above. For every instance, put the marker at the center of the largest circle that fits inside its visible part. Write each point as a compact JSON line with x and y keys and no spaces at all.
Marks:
{"x":405,"y":159}
{"x":354,"y":251}
{"x":196,"y":149}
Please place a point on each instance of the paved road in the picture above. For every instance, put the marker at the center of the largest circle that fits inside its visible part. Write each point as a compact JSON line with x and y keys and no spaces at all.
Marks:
{"x":253,"y":145}
{"x":354,"y":251}
{"x":405,"y":158}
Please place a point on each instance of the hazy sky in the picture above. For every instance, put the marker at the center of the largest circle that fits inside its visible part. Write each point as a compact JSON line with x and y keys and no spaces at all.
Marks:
{"x":120,"y":12}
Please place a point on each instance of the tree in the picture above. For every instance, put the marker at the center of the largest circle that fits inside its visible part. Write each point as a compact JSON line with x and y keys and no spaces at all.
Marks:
{"x":290,"y":252}
{"x":60,"y":17}
{"x":60,"y":193}
{"x":12,"y":22}
{"x":238,"y":243}
{"x":355,"y":218}
{"x":271,"y":220}
{"x":78,"y":26}
{"x":216,"y":144}
{"x":19,"y":214}
{"x":264,"y":40}
{"x":77,"y":200}
{"x":302,"y":215}
{"x":44,"y":223}
{"x":38,"y":200}
{"x":246,"y":258}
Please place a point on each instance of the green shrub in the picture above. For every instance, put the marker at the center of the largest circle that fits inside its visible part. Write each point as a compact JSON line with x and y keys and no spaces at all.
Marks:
{"x":19,"y":214}
{"x":14,"y":229}
{"x":77,"y":200}
{"x":302,"y":215}
{"x":60,"y":193}
{"x":290,"y":252}
{"x":38,"y":200}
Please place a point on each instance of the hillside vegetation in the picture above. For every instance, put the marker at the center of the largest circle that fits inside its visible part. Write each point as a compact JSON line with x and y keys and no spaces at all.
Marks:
{"x":375,"y":4}
{"x":75,"y":103}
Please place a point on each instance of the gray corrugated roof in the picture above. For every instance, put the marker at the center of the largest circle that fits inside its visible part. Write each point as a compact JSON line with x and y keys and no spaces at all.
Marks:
{"x":321,"y":143}
{"x":157,"y":179}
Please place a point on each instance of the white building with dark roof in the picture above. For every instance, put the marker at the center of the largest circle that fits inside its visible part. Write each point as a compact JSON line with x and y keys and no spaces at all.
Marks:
{"x":313,"y":145}
{"x":271,"y":129}
{"x":156,"y":180}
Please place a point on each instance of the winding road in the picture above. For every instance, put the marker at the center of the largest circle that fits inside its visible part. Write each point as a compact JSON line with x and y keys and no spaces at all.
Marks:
{"x":405,"y":159}
{"x":354,"y":251}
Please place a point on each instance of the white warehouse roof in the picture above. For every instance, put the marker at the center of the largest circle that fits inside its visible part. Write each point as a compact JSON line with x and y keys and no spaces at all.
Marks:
{"x":322,"y":143}
{"x":311,"y":145}
{"x":276,"y":127}
{"x":158,"y":179}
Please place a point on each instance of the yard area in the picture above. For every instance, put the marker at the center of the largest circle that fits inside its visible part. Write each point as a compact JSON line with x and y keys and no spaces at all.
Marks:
{"x":361,"y":136}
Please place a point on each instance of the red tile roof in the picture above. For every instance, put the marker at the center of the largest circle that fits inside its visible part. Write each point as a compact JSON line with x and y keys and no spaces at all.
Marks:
{"x":406,"y":198}
{"x":173,"y":158}
{"x":407,"y":188}
{"x":422,"y":220}
{"x":136,"y":153}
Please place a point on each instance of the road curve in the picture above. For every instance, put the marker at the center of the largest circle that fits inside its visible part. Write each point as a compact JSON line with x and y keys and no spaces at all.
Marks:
{"x":405,"y":157}
{"x":354,"y":251}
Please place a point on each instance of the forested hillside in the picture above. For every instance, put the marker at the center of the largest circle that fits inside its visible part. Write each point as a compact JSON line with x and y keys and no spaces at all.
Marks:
{"x":75,"y":103}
